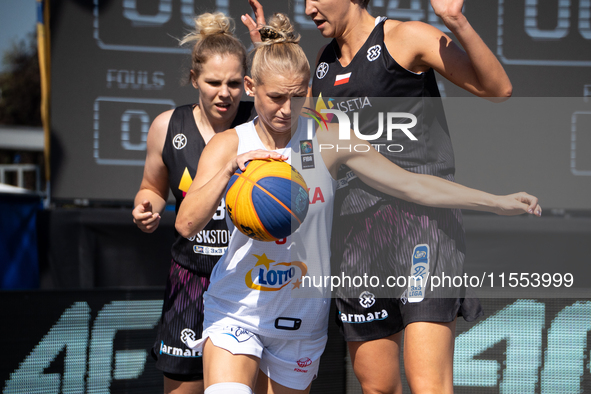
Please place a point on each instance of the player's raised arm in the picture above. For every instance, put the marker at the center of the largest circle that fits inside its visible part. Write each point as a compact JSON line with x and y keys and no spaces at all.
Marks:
{"x":475,"y":68}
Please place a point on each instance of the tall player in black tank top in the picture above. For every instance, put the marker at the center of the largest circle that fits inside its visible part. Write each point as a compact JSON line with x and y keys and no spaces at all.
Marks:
{"x":400,"y":64}
{"x":175,"y":142}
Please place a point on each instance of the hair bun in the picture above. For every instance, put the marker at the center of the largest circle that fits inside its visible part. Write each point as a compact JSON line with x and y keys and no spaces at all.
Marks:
{"x":279,"y":30}
{"x":208,"y":24}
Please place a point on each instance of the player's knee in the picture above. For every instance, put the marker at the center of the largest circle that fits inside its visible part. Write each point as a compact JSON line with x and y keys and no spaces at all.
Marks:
{"x":228,"y":388}
{"x":385,"y":389}
{"x":432,"y":388}
{"x":384,"y":385}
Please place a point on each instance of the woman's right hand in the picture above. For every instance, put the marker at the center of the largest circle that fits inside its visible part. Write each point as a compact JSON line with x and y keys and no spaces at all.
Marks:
{"x":259,"y":154}
{"x":145,"y":218}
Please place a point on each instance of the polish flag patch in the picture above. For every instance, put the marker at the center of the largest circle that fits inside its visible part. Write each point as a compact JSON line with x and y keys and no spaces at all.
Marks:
{"x":342,"y":79}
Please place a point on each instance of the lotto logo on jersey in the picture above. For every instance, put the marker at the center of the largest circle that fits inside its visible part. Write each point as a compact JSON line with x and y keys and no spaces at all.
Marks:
{"x":268,"y":275}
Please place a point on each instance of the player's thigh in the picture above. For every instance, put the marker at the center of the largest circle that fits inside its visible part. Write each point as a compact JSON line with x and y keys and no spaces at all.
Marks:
{"x":221,"y":366}
{"x":376,"y":364}
{"x":267,"y":386}
{"x":177,"y":387}
{"x":428,"y":356}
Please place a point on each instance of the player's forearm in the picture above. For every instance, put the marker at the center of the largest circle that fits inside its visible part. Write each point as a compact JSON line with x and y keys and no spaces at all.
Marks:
{"x":200,"y":204}
{"x":437,"y":192}
{"x":491,"y":75}
{"x":158,"y":201}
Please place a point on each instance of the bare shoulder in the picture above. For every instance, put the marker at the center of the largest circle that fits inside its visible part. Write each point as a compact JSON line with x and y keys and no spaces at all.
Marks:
{"x":226,"y":141}
{"x":160,"y":123}
{"x":158,"y":129}
{"x":412,"y":42}
{"x":403,"y":30}
{"x":413,"y":36}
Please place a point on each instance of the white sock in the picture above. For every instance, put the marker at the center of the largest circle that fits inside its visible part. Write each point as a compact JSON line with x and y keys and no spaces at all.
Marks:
{"x":228,"y":388}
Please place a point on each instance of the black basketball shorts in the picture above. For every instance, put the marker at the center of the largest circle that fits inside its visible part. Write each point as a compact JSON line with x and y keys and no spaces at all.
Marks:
{"x":391,"y":245}
{"x":181,"y":323}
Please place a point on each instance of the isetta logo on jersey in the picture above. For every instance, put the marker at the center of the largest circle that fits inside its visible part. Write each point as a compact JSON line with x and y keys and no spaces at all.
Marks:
{"x":268,"y":275}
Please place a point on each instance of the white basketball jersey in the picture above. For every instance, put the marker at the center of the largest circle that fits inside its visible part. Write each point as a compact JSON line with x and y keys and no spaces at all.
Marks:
{"x":269,"y":288}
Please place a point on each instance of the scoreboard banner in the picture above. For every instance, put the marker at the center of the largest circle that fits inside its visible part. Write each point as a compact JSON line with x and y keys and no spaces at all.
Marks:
{"x":99,"y":341}
{"x":116,"y":64}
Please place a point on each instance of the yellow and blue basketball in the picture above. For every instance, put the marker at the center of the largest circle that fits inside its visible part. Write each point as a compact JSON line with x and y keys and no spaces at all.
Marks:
{"x":268,"y":201}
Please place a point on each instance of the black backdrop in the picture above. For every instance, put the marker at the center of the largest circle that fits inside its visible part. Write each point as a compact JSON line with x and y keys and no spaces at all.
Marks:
{"x":116,"y":65}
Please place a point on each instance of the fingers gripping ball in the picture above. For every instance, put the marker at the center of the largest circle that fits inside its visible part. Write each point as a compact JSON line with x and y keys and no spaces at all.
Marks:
{"x":268,"y":201}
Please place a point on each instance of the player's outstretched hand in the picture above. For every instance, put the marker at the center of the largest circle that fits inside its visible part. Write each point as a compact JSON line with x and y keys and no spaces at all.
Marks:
{"x":252,"y":26}
{"x":144,"y":218}
{"x":517,"y":204}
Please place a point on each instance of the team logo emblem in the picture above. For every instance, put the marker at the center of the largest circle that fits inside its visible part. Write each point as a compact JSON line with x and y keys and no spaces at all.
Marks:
{"x":179,"y":141}
{"x":367,"y":299}
{"x":304,"y":362}
{"x":374,"y":52}
{"x":404,"y":297}
{"x":188,"y":337}
{"x":238,"y":333}
{"x":306,"y":146}
{"x":322,"y":70}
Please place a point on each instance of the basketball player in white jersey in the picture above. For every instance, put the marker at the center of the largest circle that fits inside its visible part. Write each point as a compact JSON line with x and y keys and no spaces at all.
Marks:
{"x":260,"y":334}
{"x":391,"y":58}
{"x":175,"y":142}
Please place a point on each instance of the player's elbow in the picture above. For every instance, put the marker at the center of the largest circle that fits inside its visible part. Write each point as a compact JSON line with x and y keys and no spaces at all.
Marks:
{"x":183,"y":227}
{"x":506,"y":92}
{"x":501,"y":93}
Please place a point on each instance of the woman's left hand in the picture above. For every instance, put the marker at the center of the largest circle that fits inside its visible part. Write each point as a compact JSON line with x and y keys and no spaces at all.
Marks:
{"x":252,"y":26}
{"x":517,"y":204}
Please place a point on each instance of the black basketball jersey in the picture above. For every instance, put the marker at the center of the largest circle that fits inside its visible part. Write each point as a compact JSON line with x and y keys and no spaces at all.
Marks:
{"x":373,"y":85}
{"x":181,"y":154}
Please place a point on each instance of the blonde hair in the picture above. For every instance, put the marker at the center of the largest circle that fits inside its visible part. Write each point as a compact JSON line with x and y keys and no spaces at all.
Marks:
{"x":214,"y":35}
{"x":279,"y":52}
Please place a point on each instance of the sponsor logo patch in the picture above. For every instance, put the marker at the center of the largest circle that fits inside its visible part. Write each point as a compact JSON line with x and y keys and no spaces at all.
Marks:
{"x":179,"y":141}
{"x":322,"y":70}
{"x":374,"y":52}
{"x":367,"y":299}
{"x":419,"y":273}
{"x":268,"y":275}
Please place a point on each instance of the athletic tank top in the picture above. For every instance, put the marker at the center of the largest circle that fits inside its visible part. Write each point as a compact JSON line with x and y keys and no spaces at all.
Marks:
{"x":267,"y":287}
{"x":375,"y":83}
{"x":181,"y":153}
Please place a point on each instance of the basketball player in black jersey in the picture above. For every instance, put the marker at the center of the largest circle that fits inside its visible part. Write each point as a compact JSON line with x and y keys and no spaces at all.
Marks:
{"x":175,"y":142}
{"x":369,"y":57}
